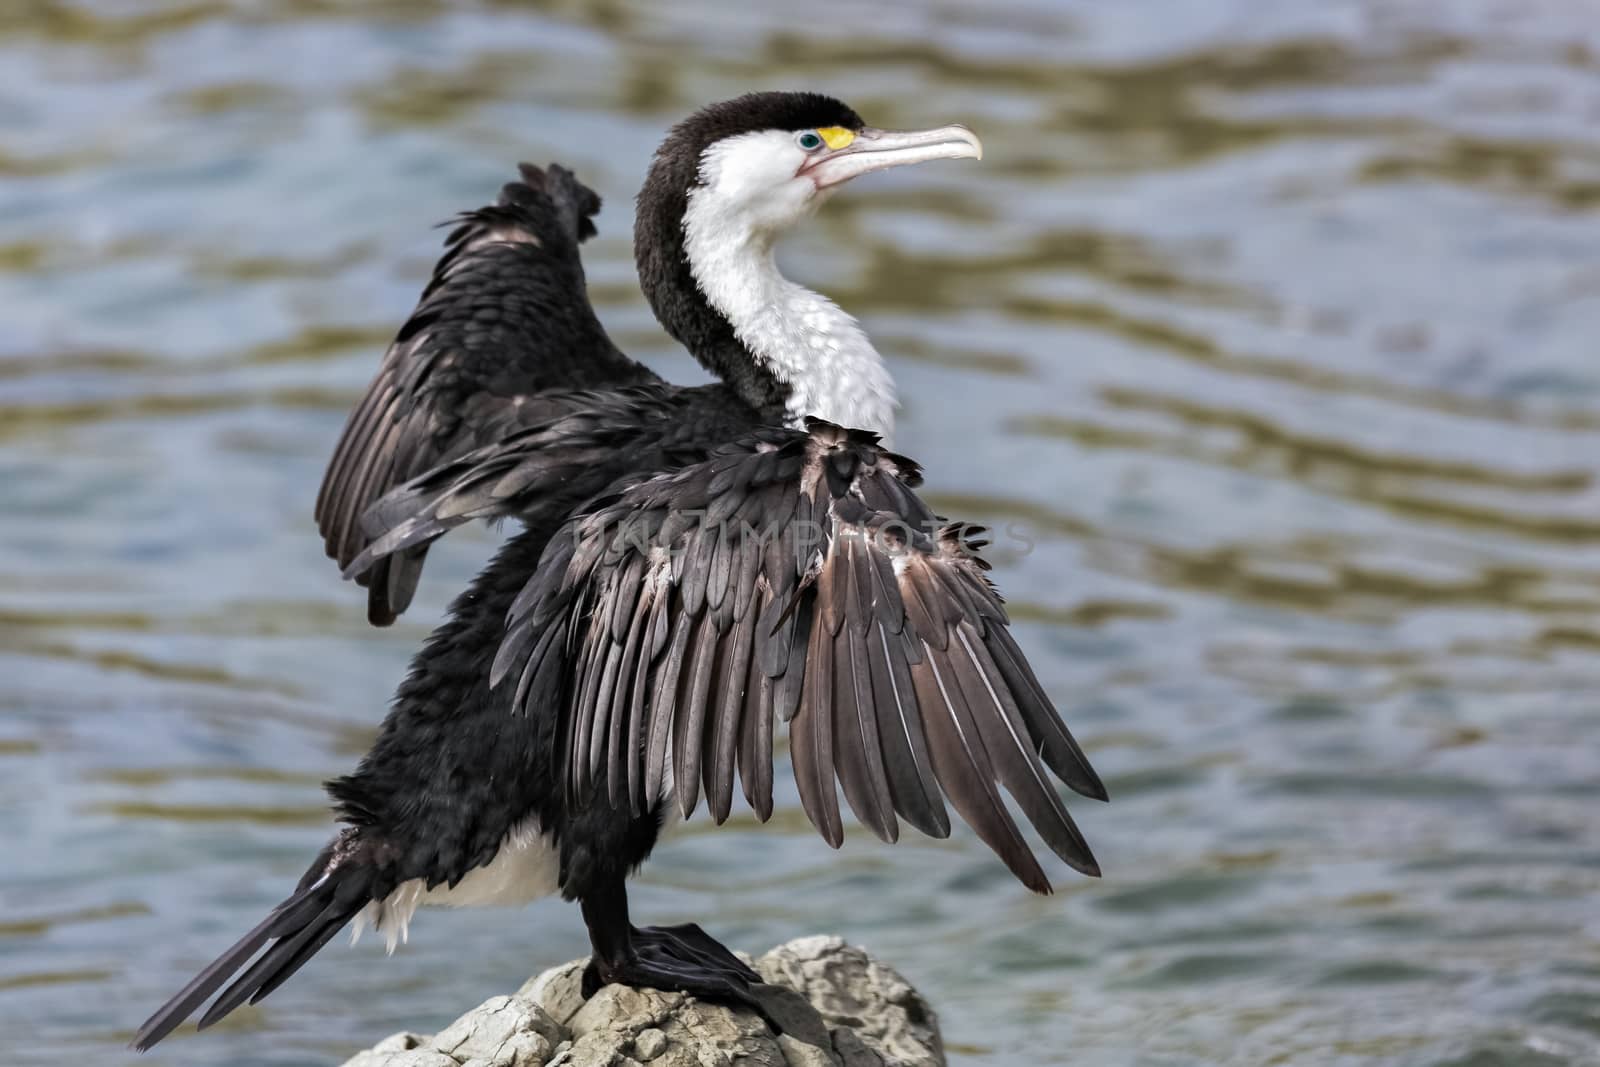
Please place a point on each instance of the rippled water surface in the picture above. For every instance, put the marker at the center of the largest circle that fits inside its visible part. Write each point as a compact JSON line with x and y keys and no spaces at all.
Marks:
{"x":1268,"y":335}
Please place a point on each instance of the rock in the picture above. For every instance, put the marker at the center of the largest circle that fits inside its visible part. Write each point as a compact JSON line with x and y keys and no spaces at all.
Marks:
{"x":858,"y":994}
{"x":558,"y":991}
{"x":838,"y":1007}
{"x":503,"y":1032}
{"x":622,"y":1009}
{"x":649,"y":1044}
{"x":403,"y":1058}
{"x":386,"y":1053}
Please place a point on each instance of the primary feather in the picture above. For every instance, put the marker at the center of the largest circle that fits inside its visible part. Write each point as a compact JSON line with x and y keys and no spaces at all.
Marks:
{"x":903,"y":698}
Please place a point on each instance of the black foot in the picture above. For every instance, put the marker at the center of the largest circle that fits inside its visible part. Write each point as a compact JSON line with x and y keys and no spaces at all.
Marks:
{"x":688,"y":940}
{"x":680,"y":959}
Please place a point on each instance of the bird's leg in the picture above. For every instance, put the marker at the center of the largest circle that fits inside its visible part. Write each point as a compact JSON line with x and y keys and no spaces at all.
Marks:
{"x":676,"y":959}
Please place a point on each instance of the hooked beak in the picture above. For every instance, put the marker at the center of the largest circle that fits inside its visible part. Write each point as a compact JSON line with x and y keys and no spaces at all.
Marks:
{"x":880,"y":149}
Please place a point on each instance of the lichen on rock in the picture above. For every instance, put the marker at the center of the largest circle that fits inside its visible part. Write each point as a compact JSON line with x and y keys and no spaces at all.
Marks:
{"x":838,"y":1007}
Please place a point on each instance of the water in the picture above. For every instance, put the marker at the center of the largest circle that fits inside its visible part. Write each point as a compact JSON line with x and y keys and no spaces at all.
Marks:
{"x":1264,"y":334}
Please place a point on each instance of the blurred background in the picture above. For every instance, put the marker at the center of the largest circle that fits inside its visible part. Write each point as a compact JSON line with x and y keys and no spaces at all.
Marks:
{"x":1267,"y":332}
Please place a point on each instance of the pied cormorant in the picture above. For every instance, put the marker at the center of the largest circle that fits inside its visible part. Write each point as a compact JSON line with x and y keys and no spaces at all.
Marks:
{"x":693,"y":564}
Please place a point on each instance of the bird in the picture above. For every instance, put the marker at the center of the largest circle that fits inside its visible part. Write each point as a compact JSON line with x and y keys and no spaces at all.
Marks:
{"x":695,"y":566}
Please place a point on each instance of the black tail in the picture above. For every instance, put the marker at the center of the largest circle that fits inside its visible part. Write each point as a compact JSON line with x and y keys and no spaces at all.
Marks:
{"x":338,"y":885}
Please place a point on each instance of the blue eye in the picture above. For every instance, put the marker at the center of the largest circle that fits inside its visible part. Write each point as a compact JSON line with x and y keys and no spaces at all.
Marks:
{"x":809,"y":141}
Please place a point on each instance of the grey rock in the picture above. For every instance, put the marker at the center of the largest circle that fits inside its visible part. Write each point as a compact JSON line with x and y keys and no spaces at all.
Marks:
{"x":649,"y":1044}
{"x":386,"y":1052}
{"x":860,"y":995}
{"x":559,"y":991}
{"x":622,"y":1009}
{"x":838,"y":1008}
{"x":421,"y":1057}
{"x":504,"y":1032}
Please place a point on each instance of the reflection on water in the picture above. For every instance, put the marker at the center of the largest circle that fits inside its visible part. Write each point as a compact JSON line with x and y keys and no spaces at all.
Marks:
{"x":1272,"y":328}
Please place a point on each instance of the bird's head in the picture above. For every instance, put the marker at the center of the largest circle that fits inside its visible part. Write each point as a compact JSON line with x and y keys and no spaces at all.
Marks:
{"x":765,"y":160}
{"x":724,"y":183}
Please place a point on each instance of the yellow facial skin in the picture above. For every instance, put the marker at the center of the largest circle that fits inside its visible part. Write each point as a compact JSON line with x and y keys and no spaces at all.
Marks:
{"x":836,"y":137}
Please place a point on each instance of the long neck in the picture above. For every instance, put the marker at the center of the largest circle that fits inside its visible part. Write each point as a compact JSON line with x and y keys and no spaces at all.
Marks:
{"x":804,"y":339}
{"x":715,"y":286}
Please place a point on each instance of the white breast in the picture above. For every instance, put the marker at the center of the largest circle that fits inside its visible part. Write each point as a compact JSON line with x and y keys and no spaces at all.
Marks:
{"x":804,"y":338}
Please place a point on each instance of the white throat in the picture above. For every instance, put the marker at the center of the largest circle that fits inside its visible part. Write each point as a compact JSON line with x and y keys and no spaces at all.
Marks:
{"x":802,"y":337}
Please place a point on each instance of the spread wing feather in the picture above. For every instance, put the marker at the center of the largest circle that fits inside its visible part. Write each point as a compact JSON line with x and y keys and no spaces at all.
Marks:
{"x":583,"y":440}
{"x":504,"y":318}
{"x":794,"y":574}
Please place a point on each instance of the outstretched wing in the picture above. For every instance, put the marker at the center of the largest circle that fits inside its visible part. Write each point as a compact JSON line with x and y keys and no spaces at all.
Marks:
{"x":505,"y":317}
{"x":793,"y":574}
{"x":585,"y":441}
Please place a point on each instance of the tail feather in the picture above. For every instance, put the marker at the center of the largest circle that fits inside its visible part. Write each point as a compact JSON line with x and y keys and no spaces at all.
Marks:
{"x":330,"y":895}
{"x":182,"y":1005}
{"x":306,"y":951}
{"x":278,"y":962}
